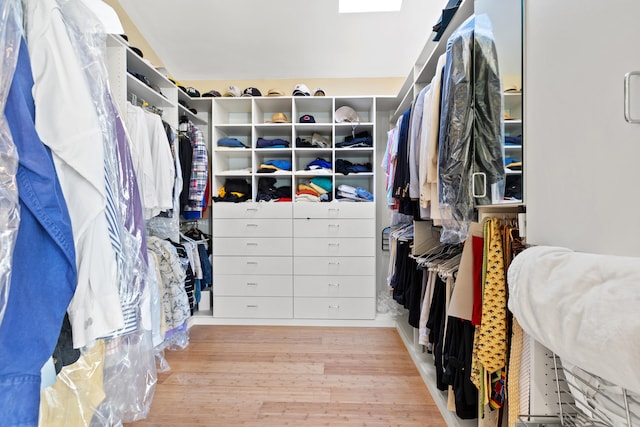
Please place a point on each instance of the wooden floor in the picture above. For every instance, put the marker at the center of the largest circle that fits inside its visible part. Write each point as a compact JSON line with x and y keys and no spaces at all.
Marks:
{"x":291,"y":376}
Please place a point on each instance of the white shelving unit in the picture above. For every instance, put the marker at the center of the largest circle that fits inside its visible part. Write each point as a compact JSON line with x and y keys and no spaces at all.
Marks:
{"x":265,"y":270}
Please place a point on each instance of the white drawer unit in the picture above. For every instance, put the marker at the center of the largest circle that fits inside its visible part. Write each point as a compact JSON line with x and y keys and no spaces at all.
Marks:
{"x":334,"y":286}
{"x":334,"y":228}
{"x":334,"y":210}
{"x":334,"y":308}
{"x":252,"y":210}
{"x":253,"y":307}
{"x":327,"y":246}
{"x":334,"y":266}
{"x":268,"y":246}
{"x":252,"y":228}
{"x":248,"y":285}
{"x":252,"y":265}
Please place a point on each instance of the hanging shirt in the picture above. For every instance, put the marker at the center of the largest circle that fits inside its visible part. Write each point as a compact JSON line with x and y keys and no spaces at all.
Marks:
{"x":43,"y":267}
{"x":68,"y":124}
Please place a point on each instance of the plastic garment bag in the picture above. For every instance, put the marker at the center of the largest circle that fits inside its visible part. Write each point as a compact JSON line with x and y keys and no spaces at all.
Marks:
{"x":471,"y":127}
{"x":89,"y":41}
{"x":10,"y":33}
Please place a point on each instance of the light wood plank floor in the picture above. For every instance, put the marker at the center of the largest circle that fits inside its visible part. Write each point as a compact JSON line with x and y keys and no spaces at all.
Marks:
{"x":291,"y":376}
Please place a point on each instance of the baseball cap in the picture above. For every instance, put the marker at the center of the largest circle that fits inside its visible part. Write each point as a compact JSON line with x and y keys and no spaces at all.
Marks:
{"x":307,"y":119}
{"x":346,"y":114}
{"x":212,"y":93}
{"x":279,"y":118}
{"x":275,"y":92}
{"x":251,"y":91}
{"x":301,"y":90}
{"x":193,"y":92}
{"x":318,"y":92}
{"x":232,"y":91}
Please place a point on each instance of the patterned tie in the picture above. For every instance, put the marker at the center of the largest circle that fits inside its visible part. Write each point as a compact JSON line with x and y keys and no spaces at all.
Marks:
{"x":514,"y":372}
{"x":492,"y":345}
{"x":490,"y":340}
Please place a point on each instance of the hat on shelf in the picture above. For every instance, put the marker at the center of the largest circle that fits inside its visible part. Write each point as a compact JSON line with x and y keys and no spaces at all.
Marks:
{"x":279,"y":118}
{"x":212,"y":94}
{"x":301,"y":90}
{"x":307,"y":118}
{"x":137,"y":51}
{"x":232,"y":91}
{"x":318,"y":92}
{"x":275,"y":92}
{"x":346,"y":114}
{"x":251,"y":91}
{"x":193,"y":92}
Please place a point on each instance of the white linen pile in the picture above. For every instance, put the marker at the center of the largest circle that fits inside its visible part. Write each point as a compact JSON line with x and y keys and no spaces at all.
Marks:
{"x":583,"y":307}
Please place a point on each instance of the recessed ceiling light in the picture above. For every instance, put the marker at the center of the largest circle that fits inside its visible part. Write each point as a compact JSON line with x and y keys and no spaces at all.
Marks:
{"x":361,"y":6}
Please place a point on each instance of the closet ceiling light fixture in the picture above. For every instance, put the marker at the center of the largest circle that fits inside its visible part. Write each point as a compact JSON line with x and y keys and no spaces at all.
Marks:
{"x":361,"y":6}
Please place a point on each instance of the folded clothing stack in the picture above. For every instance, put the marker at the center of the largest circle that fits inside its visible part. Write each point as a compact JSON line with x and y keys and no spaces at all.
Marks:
{"x":346,"y":167}
{"x":267,"y":191}
{"x":318,"y":189}
{"x":231,"y":143}
{"x":272,"y":143}
{"x":317,"y":141}
{"x":357,"y":194}
{"x":270,"y":166}
{"x":319,"y":165}
{"x":361,"y":139}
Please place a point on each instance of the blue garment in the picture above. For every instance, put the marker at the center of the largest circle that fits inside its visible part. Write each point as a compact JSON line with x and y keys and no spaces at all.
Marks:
{"x":319,"y":163}
{"x":205,"y":264}
{"x":280,"y":164}
{"x":364,"y":194}
{"x":271,"y":143}
{"x":38,"y":299}
{"x":322,"y":181}
{"x":230,"y":142}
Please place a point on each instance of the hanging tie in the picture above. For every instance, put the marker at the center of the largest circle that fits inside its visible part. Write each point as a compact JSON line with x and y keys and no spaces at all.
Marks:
{"x":492,"y":348}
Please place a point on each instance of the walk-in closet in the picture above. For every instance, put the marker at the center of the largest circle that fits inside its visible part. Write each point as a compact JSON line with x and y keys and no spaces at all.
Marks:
{"x":265,"y":214}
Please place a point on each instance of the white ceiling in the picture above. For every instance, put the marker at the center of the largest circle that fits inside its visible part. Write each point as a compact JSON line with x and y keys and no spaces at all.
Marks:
{"x":282,"y":39}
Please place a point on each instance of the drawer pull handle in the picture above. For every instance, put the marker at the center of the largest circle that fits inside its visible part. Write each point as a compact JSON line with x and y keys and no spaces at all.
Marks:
{"x":334,"y":225}
{"x":334,"y":244}
{"x":337,"y":285}
{"x":334,"y":262}
{"x":252,"y":306}
{"x":252,"y":284}
{"x":252,"y":262}
{"x":334,"y":209}
{"x":252,"y":244}
{"x":252,"y":209}
{"x":336,"y":307}
{"x":252,"y":225}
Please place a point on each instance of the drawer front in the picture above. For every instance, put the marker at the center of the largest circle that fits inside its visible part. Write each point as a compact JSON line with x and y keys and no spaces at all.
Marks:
{"x":248,"y":285}
{"x":334,"y":308}
{"x":334,"y":210}
{"x":334,"y":286}
{"x":334,"y":266}
{"x":326,"y":246}
{"x":239,"y":265}
{"x":269,"y":246}
{"x":253,"y":307}
{"x":252,"y":210}
{"x":252,"y":228}
{"x":334,"y":227}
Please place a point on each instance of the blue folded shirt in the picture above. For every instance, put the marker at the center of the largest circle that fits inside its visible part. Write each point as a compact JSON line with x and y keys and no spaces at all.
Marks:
{"x":230,"y":142}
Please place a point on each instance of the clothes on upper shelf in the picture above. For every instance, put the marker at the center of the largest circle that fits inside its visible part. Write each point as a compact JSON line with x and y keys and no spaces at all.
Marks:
{"x":471,"y":139}
{"x":444,"y":143}
{"x":346,"y":167}
{"x":272,"y":143}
